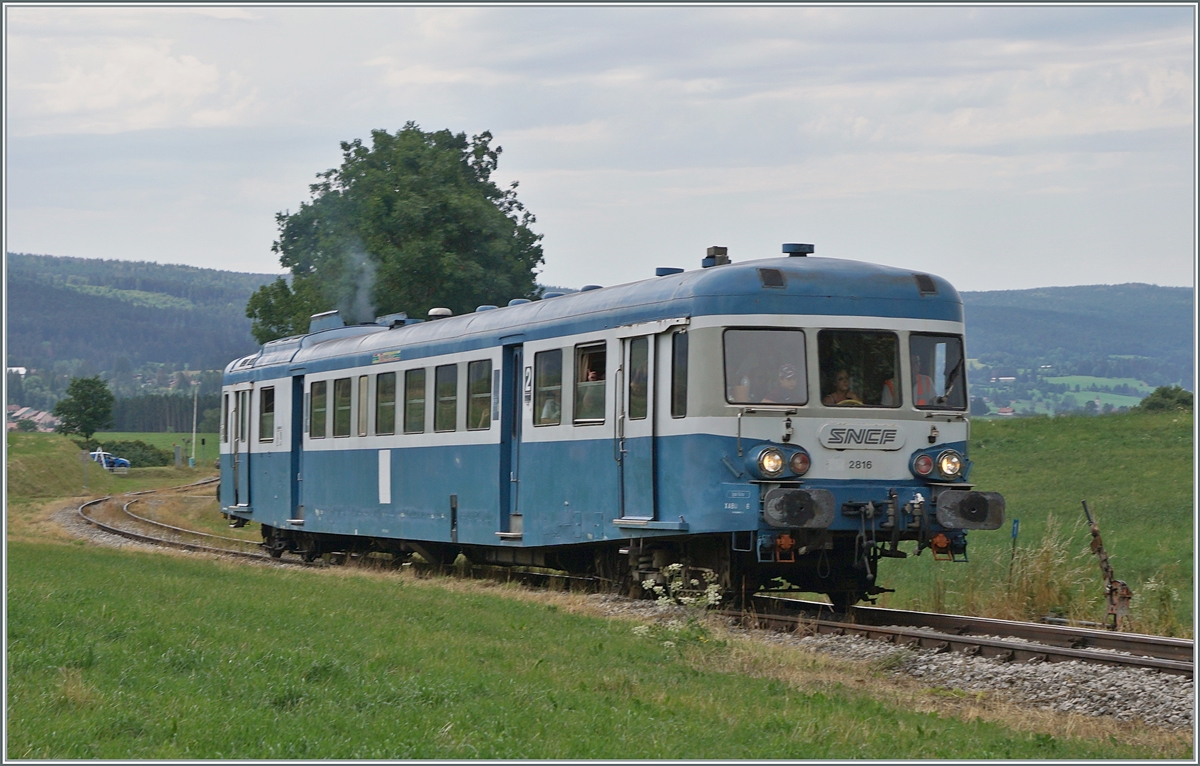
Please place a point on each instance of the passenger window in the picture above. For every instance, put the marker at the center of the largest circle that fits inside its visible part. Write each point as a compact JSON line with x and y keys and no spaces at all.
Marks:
{"x":479,"y":395}
{"x":341,"y":407}
{"x":266,"y":415}
{"x":445,"y":416}
{"x":414,"y":401}
{"x":243,"y":408}
{"x":547,"y":388}
{"x":765,"y":366}
{"x":362,"y":405}
{"x":385,"y":403}
{"x":679,"y":373}
{"x":639,"y":373}
{"x":589,"y":384}
{"x":939,"y":378}
{"x":316,"y":410}
{"x":859,"y":368}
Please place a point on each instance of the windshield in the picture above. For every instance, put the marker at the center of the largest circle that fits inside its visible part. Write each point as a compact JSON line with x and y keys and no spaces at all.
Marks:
{"x":765,"y":367}
{"x":939,"y":375}
{"x":859,"y":368}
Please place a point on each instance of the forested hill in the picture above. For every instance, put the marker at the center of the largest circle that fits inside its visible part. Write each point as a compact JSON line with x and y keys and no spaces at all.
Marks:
{"x":1118,"y":331}
{"x":123,"y":314}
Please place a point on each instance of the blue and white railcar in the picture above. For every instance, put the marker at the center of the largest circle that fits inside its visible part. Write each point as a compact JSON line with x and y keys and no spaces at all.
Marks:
{"x":790,"y":418}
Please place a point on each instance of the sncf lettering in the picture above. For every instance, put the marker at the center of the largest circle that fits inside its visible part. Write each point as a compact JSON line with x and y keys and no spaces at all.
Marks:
{"x":871,"y":436}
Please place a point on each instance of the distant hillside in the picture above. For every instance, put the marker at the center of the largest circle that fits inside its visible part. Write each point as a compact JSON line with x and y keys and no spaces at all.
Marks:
{"x":1117,"y":331}
{"x":124,"y":313}
{"x":120,"y":315}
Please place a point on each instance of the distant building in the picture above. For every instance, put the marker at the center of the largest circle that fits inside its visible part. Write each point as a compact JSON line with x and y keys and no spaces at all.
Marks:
{"x":1006,"y":411}
{"x":19,"y":370}
{"x":44,"y":421}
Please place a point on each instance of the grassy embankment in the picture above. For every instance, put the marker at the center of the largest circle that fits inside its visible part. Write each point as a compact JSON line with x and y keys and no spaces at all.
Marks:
{"x":1136,"y":472}
{"x":45,"y":473}
{"x":124,"y":654}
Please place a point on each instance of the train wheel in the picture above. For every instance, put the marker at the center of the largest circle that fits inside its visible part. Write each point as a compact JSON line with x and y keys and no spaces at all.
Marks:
{"x":274,"y":552}
{"x":843,"y":600}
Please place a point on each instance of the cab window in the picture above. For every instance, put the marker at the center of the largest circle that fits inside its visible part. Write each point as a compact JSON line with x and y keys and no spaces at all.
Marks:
{"x":765,"y":366}
{"x":939,"y":378}
{"x":859,"y":368}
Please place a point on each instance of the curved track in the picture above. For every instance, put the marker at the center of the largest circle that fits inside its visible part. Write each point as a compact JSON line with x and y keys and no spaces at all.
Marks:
{"x":1001,"y":639}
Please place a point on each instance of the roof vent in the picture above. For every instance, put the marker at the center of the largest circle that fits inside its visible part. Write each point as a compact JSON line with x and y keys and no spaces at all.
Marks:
{"x":547,"y":296}
{"x":440,"y":313}
{"x":925,"y":284}
{"x":716,"y":256}
{"x":585,"y":288}
{"x":485,"y":307}
{"x":518,"y":301}
{"x":393,"y":320}
{"x":796,"y":250}
{"x":772,"y":278}
{"x":666,"y":271}
{"x":326,"y":320}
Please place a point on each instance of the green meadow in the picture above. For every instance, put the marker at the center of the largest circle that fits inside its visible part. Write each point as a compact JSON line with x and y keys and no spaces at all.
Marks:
{"x":122,"y":654}
{"x":1135,"y":470}
{"x":133,"y":655}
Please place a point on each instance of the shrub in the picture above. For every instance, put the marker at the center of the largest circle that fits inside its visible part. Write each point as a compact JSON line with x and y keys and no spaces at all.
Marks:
{"x":139,"y":453}
{"x":1167,"y":398}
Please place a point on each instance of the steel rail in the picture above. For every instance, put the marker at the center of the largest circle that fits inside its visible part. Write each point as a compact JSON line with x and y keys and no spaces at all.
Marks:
{"x":1161,"y":647}
{"x":183,"y":530}
{"x":980,"y":645}
{"x":195,"y":547}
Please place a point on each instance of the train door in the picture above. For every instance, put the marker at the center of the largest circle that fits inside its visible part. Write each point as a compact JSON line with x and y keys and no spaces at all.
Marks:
{"x":517,"y":391}
{"x":238,"y":428}
{"x":297,"y":456}
{"x":635,"y":427}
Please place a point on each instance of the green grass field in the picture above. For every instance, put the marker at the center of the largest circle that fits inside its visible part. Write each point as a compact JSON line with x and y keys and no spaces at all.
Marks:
{"x":130,"y":655}
{"x":1136,"y":472}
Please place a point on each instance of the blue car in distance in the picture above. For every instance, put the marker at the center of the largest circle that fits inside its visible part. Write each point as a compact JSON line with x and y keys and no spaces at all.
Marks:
{"x":110,"y":461}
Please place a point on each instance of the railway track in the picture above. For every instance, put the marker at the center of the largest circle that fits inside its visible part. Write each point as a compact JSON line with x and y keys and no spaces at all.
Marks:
{"x":1005,"y":640}
{"x":166,"y":534}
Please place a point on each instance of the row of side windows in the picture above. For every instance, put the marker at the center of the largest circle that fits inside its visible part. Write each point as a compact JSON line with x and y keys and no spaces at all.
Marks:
{"x":412,"y":417}
{"x":590,"y":368}
{"x":589,"y":394}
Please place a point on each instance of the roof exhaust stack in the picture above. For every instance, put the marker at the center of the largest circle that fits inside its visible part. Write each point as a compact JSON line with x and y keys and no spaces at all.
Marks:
{"x":326,"y":320}
{"x":716,"y":256}
{"x":798,"y":251}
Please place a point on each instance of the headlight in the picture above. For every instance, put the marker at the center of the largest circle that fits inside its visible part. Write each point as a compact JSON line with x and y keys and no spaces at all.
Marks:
{"x":950,"y":463}
{"x":923,"y":465}
{"x":770,"y":462}
{"x":799,"y":463}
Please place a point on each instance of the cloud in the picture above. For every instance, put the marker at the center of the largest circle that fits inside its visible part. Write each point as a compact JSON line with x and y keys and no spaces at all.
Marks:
{"x":114,"y":84}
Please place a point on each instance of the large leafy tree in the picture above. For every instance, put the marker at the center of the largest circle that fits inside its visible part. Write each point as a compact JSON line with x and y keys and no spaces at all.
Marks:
{"x":412,"y":222}
{"x":86,"y":408}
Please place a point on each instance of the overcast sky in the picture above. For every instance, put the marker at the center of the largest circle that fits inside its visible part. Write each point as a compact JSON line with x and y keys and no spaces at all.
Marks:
{"x":1000,"y":147}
